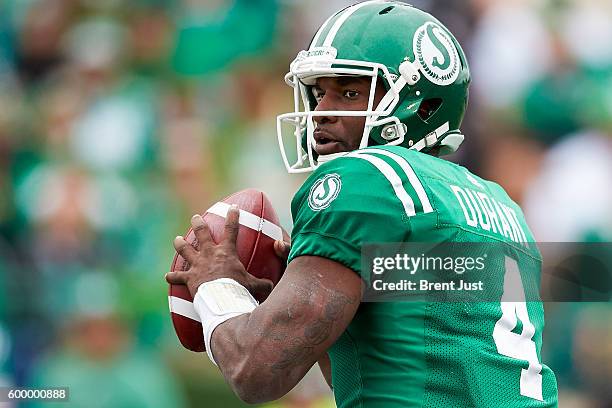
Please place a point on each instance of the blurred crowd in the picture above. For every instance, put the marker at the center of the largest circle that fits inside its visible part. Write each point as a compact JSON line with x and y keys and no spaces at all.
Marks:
{"x":120,"y":119}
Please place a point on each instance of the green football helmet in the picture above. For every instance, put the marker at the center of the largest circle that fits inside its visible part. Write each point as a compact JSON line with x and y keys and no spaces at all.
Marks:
{"x":421,"y":64}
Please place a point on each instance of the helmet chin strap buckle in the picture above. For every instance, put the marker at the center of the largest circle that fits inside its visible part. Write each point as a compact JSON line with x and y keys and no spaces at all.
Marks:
{"x":449,"y":141}
{"x":432,"y":138}
{"x":393,"y":131}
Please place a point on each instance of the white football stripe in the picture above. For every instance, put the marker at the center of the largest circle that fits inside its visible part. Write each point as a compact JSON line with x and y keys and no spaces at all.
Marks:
{"x":412,"y":177}
{"x":183,"y":307}
{"x":391,"y":175}
{"x":249,"y":220}
{"x":340,"y":20}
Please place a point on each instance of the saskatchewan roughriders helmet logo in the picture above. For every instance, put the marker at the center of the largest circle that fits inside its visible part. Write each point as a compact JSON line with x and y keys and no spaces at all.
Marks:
{"x":324,"y":191}
{"x":436,"y":54}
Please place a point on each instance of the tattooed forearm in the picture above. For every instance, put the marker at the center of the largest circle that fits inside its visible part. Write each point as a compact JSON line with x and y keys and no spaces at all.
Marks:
{"x":315,"y":333}
{"x":297,"y":351}
{"x":265,"y":353}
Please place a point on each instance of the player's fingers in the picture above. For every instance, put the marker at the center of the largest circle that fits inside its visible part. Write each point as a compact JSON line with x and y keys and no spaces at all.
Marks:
{"x":184,"y":249}
{"x":260,"y":288}
{"x":282,"y":249}
{"x":286,"y":236}
{"x":176,"y":278}
{"x":230,"y":233}
{"x":201,"y":230}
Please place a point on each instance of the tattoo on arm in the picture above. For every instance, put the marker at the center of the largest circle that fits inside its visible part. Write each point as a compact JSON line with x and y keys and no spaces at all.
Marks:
{"x":301,"y":348}
{"x":265,"y":353}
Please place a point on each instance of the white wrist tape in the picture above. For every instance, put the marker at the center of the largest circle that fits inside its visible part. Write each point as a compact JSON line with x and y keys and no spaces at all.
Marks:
{"x":219,"y":300}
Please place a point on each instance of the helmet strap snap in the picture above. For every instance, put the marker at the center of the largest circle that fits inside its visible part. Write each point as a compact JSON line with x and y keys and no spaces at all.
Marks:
{"x":393,"y":131}
{"x":410,"y":72}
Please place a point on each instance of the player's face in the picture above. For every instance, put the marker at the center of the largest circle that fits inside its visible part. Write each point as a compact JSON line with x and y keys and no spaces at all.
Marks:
{"x":335,"y":134}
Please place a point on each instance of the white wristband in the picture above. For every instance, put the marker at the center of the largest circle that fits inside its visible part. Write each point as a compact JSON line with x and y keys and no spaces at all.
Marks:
{"x":219,"y":300}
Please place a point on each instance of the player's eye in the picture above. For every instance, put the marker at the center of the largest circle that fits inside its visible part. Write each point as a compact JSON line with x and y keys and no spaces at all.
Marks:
{"x":351,"y":94}
{"x":318,"y":94}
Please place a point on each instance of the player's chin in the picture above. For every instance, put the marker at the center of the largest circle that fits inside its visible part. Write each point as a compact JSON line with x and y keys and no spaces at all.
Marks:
{"x":330,"y":147}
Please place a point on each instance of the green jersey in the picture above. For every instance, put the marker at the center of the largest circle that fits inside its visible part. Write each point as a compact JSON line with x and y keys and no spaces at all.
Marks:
{"x":427,"y":353}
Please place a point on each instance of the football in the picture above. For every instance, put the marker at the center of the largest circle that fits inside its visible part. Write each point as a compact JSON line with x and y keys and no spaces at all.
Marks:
{"x":259,"y":228}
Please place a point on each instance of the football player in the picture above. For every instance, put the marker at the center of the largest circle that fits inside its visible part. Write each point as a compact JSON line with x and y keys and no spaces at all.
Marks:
{"x":384,"y":88}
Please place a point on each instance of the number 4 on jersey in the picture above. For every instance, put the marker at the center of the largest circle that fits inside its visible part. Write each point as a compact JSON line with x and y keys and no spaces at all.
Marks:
{"x":518,"y":346}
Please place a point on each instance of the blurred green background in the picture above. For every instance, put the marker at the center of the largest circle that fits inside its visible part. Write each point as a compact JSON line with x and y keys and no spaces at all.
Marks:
{"x":120,"y":119}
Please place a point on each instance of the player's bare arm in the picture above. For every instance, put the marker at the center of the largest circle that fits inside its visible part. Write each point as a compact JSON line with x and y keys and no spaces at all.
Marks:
{"x":325,"y":366}
{"x":263,"y":354}
{"x":282,"y":249}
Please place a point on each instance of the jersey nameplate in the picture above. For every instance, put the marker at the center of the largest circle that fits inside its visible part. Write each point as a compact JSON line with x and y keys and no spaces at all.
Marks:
{"x":484,"y":212}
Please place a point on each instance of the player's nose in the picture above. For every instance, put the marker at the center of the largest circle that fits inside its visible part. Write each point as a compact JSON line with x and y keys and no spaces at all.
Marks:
{"x":325,"y":104}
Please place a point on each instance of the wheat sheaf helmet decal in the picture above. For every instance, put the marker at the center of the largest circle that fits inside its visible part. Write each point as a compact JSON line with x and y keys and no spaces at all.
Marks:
{"x":436,"y":54}
{"x":324,"y":191}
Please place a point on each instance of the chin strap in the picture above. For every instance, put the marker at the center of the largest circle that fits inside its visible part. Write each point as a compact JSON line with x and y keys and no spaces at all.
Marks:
{"x":449,"y":142}
{"x":324,"y":158}
{"x":431,"y":139}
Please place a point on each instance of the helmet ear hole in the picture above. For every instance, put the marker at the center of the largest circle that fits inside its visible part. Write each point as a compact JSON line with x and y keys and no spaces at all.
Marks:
{"x":386,"y":10}
{"x":429,"y":107}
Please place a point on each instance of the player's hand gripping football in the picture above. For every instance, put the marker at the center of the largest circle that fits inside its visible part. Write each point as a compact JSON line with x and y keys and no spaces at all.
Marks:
{"x":282,"y":248}
{"x":213,"y":261}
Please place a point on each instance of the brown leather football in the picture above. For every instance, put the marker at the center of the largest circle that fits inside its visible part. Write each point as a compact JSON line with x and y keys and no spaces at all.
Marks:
{"x":259,"y":228}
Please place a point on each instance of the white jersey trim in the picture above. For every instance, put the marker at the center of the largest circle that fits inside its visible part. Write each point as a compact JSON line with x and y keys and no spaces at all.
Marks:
{"x":392,"y":176}
{"x":412,"y":177}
